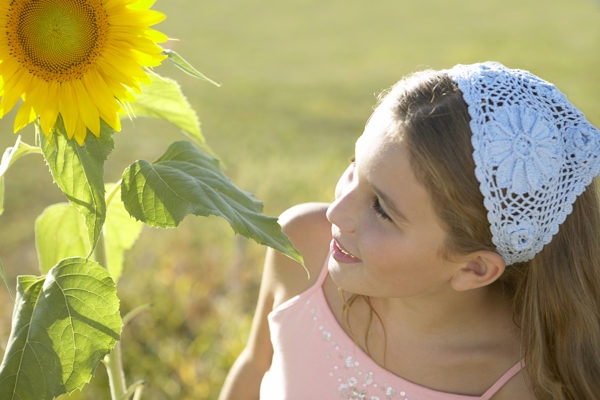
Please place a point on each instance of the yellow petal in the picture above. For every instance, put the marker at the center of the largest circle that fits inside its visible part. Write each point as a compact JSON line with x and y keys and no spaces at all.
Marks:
{"x":138,"y":5}
{"x":117,"y":88}
{"x":109,"y":4}
{"x":156,"y":36}
{"x":13,"y":89}
{"x":136,"y":42}
{"x":140,"y":31}
{"x":112,"y":72}
{"x":7,"y":69}
{"x":67,"y":106}
{"x":25,"y":116}
{"x":140,"y":18}
{"x":123,"y":59}
{"x":50,"y":113}
{"x":20,"y":86}
{"x":88,"y":112}
{"x":108,"y":106}
{"x":112,"y":120}
{"x":148,"y":60}
{"x":80,"y":132}
{"x":38,"y":95}
{"x":103,"y":97}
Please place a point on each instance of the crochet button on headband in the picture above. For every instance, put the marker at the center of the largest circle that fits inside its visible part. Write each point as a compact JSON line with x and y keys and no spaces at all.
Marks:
{"x":534,"y":153}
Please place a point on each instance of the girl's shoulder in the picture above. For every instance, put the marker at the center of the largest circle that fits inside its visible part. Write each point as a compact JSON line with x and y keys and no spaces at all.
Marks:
{"x":310,"y":232}
{"x":303,"y":221}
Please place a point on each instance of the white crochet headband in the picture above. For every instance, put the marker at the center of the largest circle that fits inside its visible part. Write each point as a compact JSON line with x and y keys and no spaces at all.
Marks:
{"x":534,"y":154}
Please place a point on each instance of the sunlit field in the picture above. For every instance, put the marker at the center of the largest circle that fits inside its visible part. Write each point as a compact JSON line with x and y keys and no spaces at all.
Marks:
{"x":299,"y":80}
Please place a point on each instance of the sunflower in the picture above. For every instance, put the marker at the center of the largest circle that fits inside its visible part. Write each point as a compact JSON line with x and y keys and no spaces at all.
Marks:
{"x":76,"y":58}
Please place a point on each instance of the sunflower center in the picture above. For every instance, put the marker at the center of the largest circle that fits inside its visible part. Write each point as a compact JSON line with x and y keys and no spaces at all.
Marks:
{"x":57,"y":40}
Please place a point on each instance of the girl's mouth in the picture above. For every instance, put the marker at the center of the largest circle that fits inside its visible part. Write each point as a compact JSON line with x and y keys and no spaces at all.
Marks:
{"x":341,"y":255}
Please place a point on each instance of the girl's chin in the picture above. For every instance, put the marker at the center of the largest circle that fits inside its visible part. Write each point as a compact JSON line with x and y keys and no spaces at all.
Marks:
{"x":343,"y":275}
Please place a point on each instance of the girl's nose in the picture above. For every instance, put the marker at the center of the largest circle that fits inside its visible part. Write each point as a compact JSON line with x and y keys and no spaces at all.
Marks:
{"x":340,"y":212}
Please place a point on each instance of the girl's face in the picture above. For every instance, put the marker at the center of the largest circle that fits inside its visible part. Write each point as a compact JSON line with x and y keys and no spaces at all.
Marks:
{"x":386,"y":236}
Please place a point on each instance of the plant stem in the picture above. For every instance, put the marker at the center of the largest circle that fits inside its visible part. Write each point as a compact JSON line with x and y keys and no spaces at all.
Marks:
{"x":138,"y":392}
{"x":134,"y":313}
{"x":110,"y":195}
{"x":113,"y":361}
{"x":116,"y":377}
{"x":100,"y":251}
{"x":135,"y":388}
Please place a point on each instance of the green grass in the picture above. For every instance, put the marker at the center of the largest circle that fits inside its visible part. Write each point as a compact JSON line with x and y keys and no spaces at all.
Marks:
{"x":298,"y":83}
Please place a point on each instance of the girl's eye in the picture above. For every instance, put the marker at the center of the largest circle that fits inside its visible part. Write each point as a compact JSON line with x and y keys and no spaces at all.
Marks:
{"x":379,"y":210}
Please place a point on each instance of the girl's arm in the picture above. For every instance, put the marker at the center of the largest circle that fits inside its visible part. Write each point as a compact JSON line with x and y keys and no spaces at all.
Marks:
{"x":310,"y":232}
{"x":245,"y":376}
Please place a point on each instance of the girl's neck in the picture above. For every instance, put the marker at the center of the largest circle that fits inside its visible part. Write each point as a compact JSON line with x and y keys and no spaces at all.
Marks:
{"x":446,"y":314}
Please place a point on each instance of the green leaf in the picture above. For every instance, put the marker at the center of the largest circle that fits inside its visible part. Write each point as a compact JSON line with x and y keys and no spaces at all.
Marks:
{"x":60,"y":232}
{"x":163,"y":99}
{"x":121,"y":232}
{"x":12,"y":154}
{"x":3,"y":274}
{"x":63,"y":325}
{"x":186,"y":66}
{"x":79,"y":172}
{"x":186,"y":181}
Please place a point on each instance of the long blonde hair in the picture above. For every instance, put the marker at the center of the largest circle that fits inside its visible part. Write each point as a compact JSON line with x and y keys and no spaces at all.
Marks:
{"x":556,"y":295}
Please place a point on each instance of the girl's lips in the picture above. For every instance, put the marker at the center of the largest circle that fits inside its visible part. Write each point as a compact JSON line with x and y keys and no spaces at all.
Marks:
{"x":341,"y":255}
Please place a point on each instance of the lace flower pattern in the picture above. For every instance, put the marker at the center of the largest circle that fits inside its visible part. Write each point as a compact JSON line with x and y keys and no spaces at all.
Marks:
{"x":534,"y":153}
{"x":525,"y":149}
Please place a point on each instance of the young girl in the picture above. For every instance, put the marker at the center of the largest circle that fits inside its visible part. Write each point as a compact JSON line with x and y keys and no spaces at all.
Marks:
{"x":460,"y":259}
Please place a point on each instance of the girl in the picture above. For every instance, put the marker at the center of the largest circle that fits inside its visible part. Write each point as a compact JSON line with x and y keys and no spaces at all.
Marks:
{"x":440,"y":271}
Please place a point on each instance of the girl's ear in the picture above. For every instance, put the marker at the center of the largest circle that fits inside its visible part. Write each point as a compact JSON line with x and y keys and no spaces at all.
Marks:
{"x":481,"y":269}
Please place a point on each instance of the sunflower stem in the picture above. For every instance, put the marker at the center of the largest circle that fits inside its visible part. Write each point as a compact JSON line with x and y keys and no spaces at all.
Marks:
{"x":113,"y":361}
{"x":116,"y":377}
{"x":100,"y":251}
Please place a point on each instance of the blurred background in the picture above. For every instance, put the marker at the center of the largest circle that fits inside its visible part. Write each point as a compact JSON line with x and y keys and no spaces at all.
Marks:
{"x":299,"y":79}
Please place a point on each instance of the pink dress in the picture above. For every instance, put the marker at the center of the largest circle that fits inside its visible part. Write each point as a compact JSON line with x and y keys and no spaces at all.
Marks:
{"x":314,"y":359}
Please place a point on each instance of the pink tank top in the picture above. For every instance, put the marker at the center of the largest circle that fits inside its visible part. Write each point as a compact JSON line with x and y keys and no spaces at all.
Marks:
{"x":314,"y":359}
